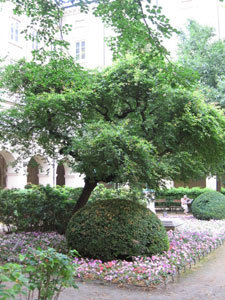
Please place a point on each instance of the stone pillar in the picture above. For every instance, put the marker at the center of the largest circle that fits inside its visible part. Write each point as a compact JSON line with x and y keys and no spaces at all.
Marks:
{"x":211,"y":182}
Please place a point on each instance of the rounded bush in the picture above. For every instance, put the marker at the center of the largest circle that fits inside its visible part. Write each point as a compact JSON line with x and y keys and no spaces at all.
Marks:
{"x":210,"y":205}
{"x":116,"y":229}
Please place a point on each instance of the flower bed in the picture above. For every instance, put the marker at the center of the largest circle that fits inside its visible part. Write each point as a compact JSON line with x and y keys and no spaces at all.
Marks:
{"x":193,"y":240}
{"x":186,"y":247}
{"x":11,"y":245}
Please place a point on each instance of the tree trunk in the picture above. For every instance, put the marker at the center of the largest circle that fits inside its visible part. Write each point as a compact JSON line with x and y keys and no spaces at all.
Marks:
{"x":87,"y":190}
{"x":218,"y":183}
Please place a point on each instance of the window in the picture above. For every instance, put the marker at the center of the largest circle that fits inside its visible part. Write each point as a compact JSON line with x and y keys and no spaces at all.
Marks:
{"x":14,"y":31}
{"x":77,"y":50}
{"x":80,"y":50}
{"x":83,"y":50}
{"x":34,"y":41}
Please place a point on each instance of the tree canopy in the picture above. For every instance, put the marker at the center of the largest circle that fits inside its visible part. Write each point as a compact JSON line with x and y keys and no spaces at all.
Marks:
{"x":138,"y":121}
{"x":199,"y":51}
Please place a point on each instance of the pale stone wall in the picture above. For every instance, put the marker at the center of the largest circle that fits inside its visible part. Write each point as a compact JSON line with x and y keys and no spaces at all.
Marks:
{"x":90,"y":30}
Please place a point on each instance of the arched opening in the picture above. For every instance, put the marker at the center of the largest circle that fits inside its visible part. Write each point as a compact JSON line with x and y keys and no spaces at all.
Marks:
{"x":3,"y":172}
{"x":60,"y":175}
{"x":32,"y":172}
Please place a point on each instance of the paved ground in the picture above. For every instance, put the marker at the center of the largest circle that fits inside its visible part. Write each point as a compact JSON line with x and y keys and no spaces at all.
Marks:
{"x":206,"y":281}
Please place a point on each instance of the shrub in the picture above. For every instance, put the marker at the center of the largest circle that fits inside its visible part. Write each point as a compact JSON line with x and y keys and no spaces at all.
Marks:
{"x":116,"y":229}
{"x":209,"y":205}
{"x":38,"y":208}
{"x":45,"y":272}
{"x":12,"y":273}
{"x":223,"y":191}
{"x":178,"y":193}
{"x":103,"y":193}
{"x":7,"y":206}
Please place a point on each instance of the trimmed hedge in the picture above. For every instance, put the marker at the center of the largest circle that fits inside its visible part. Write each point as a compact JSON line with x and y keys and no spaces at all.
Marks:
{"x":43,"y":208}
{"x":178,"y":193}
{"x":116,"y":229}
{"x":38,"y":208}
{"x":209,"y":206}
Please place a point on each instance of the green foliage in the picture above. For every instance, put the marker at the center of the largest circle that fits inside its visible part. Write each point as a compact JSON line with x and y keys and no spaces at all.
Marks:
{"x":59,"y":74}
{"x":44,"y":272}
{"x":107,"y":152}
{"x":178,"y":193}
{"x":49,"y":272}
{"x":38,"y":209}
{"x":139,"y":121}
{"x":43,"y":208}
{"x":123,"y":193}
{"x":7,"y":206}
{"x":12,"y":273}
{"x":210,"y":205}
{"x":139,"y":26}
{"x":223,"y":191}
{"x":199,"y":51}
{"x":150,"y":97}
{"x":116,"y":229}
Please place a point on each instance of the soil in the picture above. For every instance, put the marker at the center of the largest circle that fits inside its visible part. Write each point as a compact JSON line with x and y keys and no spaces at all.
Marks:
{"x":205,"y":281}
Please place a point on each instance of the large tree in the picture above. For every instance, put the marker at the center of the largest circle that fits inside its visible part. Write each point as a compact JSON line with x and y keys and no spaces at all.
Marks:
{"x":138,"y":121}
{"x":200,"y":51}
{"x":205,"y":55}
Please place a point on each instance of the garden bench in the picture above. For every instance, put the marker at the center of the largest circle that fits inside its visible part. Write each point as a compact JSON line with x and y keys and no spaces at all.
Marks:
{"x":169,"y":224}
{"x":166,"y":205}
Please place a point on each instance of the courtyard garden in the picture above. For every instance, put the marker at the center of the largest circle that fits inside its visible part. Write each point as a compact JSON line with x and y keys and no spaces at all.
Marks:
{"x":140,"y":121}
{"x":25,"y":253}
{"x":192,"y":241}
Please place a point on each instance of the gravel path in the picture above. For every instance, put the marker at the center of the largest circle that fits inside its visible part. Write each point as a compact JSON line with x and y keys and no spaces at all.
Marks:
{"x":205,"y":281}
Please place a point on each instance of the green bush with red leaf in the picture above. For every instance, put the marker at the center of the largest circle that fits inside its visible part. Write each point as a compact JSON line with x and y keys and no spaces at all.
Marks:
{"x":116,"y":229}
